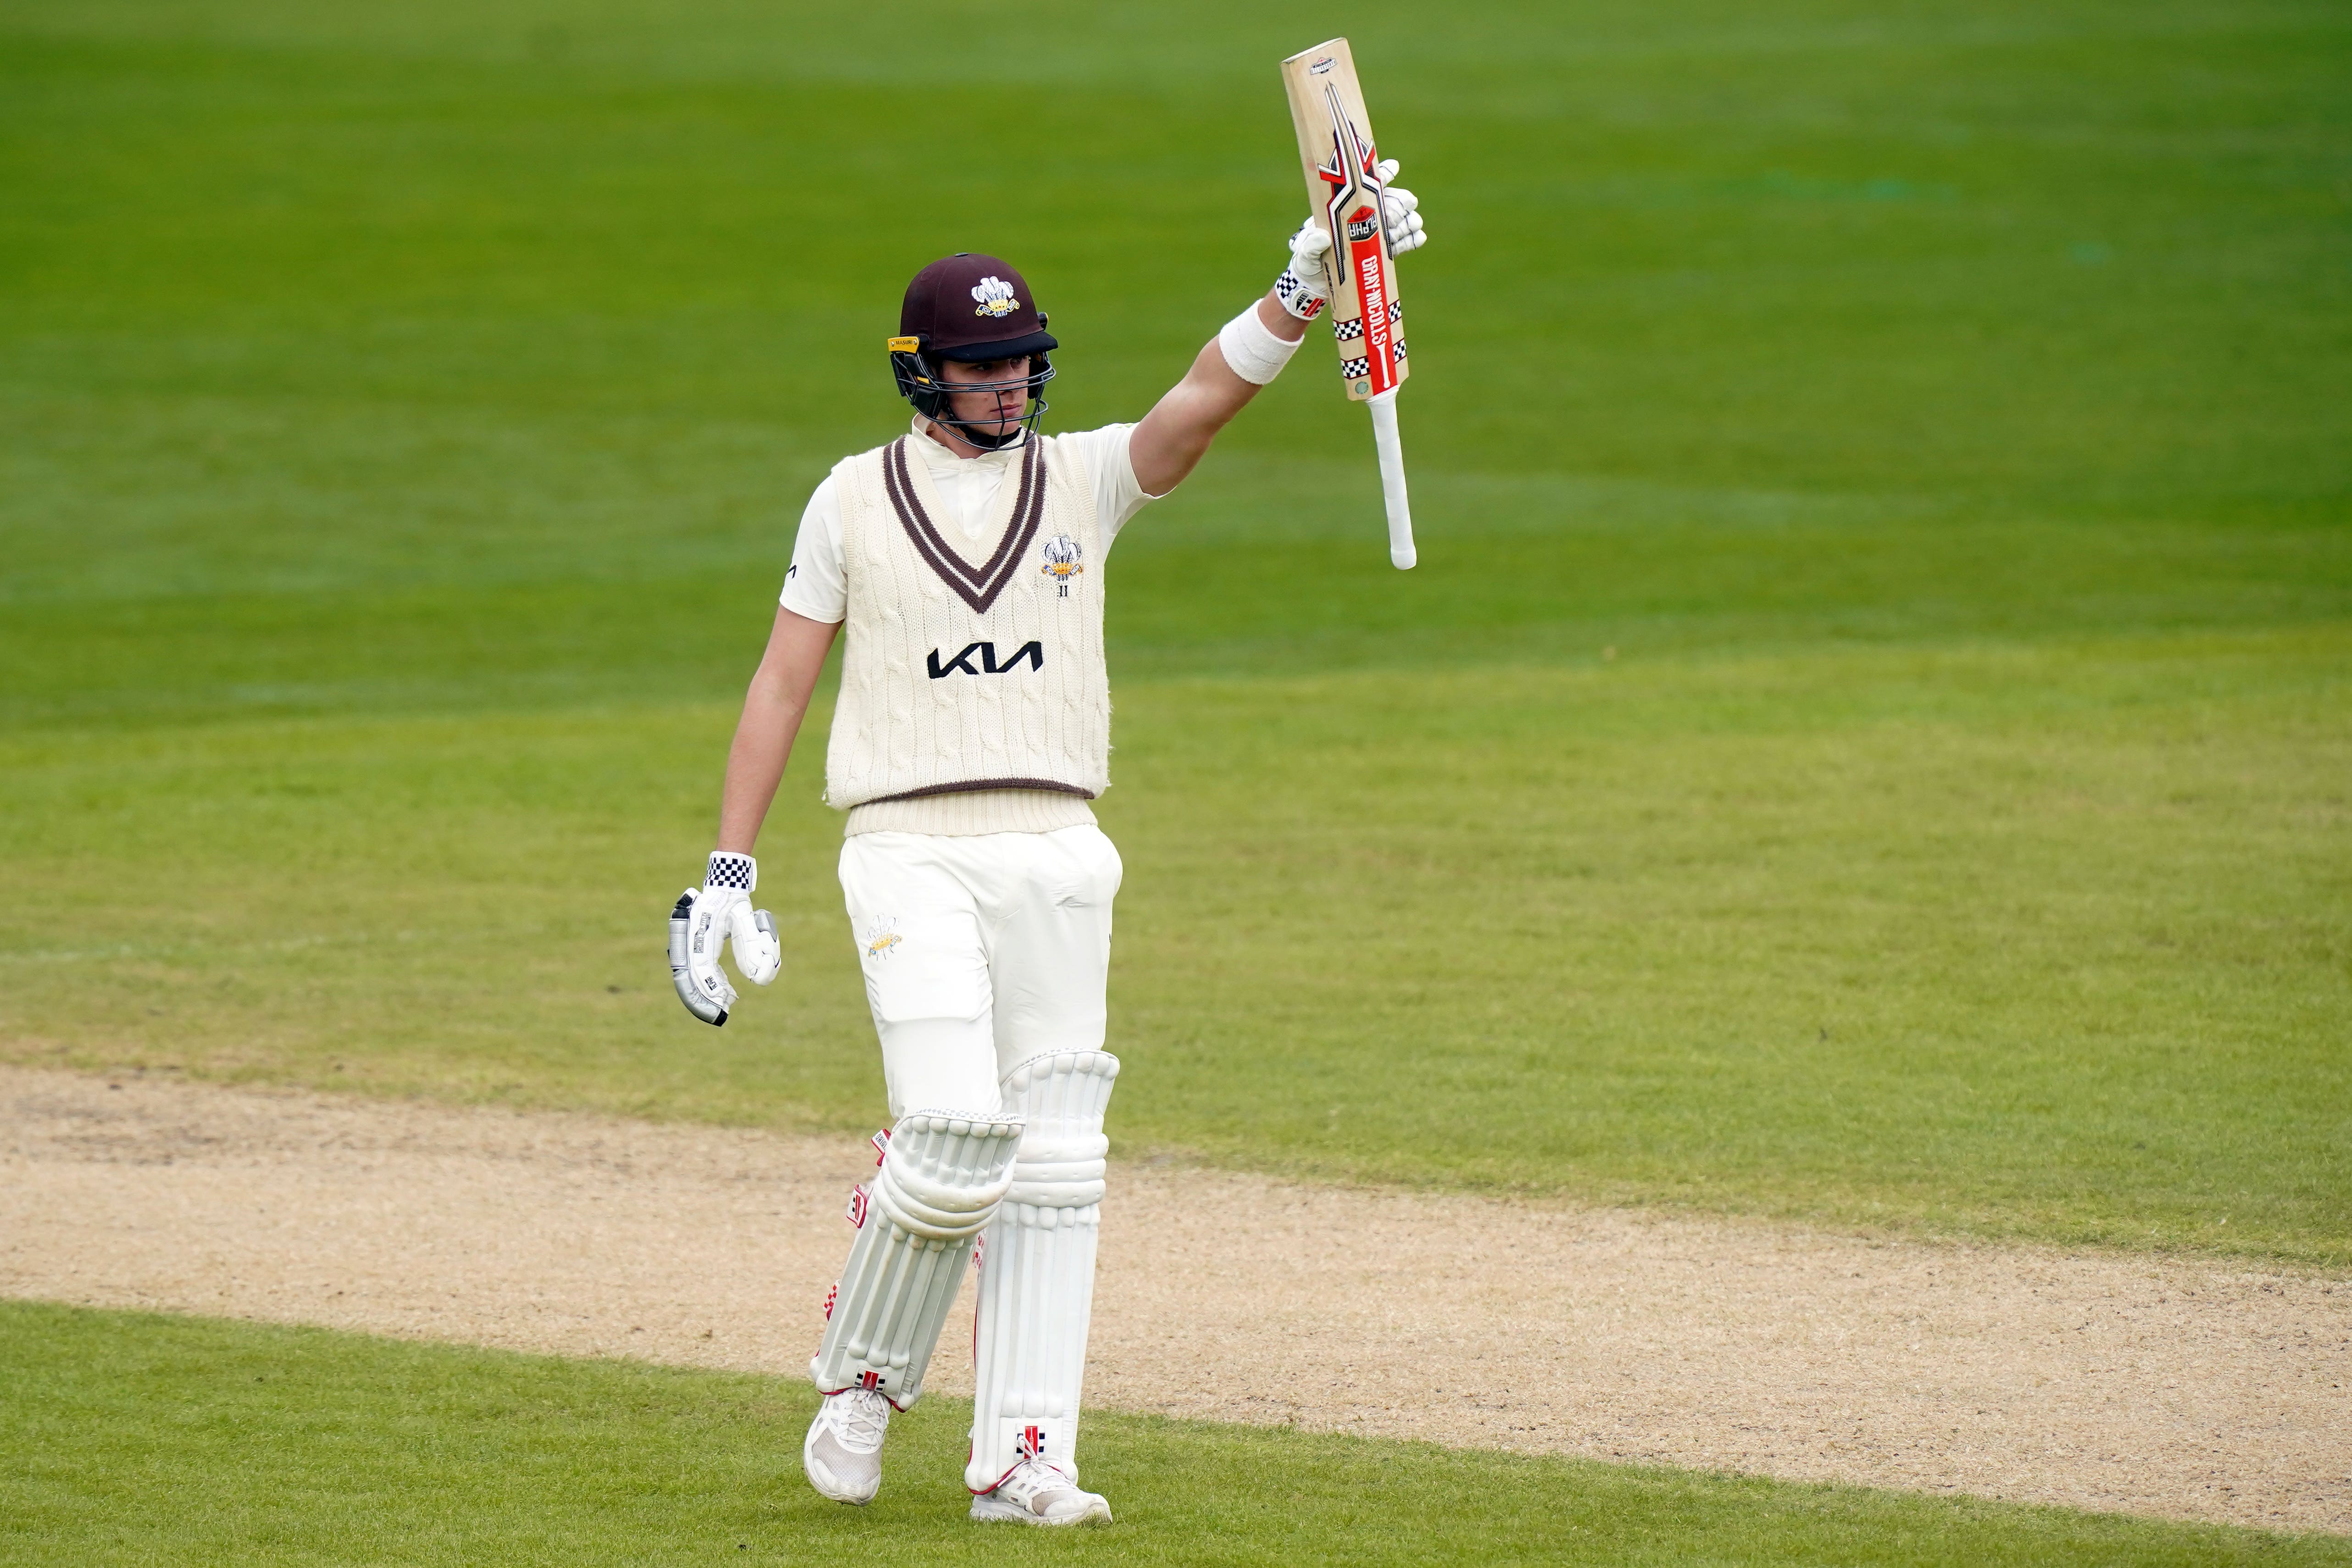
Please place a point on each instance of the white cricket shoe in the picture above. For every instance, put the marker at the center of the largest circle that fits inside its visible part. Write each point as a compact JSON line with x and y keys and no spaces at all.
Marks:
{"x":842,"y":1452}
{"x":1038,"y":1493}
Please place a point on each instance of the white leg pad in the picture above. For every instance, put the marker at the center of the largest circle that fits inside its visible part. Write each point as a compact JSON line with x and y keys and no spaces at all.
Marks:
{"x":941,"y":1179}
{"x":1037,"y":1270}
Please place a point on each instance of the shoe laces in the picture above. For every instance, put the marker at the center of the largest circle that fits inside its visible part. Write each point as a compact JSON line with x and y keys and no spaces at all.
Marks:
{"x":860,"y":1416}
{"x":1031,"y":1478}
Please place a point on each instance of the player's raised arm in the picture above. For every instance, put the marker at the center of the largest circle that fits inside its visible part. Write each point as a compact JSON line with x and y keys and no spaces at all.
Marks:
{"x":1250,"y":352}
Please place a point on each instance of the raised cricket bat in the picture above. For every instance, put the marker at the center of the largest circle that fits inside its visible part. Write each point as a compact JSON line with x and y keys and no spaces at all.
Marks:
{"x":1335,"y":147}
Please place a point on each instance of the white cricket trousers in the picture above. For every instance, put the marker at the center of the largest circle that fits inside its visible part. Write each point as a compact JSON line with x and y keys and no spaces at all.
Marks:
{"x":981,"y":953}
{"x":978,"y":952}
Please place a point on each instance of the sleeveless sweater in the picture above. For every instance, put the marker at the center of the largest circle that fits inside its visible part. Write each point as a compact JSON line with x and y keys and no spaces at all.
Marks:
{"x":973,"y":669}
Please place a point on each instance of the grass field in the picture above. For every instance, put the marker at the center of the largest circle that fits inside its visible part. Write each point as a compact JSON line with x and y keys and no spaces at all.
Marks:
{"x":139,"y":1439}
{"x":1870,"y":739}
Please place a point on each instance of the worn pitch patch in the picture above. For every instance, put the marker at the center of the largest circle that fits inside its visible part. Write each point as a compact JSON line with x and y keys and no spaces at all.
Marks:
{"x":2191,"y":1390}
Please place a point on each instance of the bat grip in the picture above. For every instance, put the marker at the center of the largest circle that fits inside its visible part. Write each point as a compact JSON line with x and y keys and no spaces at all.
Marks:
{"x":1390,"y":446}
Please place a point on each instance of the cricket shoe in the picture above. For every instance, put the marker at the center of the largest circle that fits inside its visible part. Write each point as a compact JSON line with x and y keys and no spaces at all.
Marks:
{"x":842,"y":1452}
{"x":1035,"y":1492}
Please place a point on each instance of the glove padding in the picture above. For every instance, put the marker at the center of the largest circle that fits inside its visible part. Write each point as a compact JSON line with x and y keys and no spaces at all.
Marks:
{"x":1399,"y":210}
{"x":705,"y":920}
{"x":1305,"y":286}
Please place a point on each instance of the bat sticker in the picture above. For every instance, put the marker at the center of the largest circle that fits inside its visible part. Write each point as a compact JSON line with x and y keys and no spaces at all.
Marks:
{"x":1354,"y":163}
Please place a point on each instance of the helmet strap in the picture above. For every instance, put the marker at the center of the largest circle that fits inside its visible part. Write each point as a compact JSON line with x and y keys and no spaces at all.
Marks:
{"x":932,"y":397}
{"x":986,"y":438}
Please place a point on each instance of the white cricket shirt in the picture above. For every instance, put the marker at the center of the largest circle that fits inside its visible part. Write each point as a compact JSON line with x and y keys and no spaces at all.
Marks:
{"x":817,"y":586}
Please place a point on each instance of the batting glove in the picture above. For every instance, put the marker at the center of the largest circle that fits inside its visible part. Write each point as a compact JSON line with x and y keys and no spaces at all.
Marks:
{"x":707,"y":916}
{"x":1305,"y":286}
{"x":1399,"y":210}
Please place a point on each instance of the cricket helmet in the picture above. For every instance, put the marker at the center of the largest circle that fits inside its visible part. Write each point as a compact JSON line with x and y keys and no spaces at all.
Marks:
{"x":974,"y":308}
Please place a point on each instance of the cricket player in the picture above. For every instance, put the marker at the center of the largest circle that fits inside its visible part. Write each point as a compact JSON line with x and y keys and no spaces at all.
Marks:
{"x":965,"y":558}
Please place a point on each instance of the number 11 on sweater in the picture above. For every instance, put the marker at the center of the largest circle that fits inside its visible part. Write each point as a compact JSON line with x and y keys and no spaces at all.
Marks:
{"x":1343,"y":188}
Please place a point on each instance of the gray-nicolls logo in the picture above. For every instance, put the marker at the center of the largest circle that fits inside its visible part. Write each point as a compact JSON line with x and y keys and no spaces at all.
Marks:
{"x":1031,"y":653}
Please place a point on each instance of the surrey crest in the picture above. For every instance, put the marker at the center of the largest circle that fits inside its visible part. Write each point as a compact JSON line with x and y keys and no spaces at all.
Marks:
{"x":881,"y":938}
{"x":1063,"y":561}
{"x":995,"y":297}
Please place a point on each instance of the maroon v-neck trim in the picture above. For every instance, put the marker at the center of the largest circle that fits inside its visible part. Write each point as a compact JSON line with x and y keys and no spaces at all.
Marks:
{"x":976,"y":585}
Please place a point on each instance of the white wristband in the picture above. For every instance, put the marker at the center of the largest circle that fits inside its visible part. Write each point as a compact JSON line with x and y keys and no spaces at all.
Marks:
{"x":1251,"y":349}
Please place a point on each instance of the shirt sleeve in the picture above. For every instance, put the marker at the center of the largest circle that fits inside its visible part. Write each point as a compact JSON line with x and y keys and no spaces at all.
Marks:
{"x":1117,"y":496}
{"x":815,"y":585}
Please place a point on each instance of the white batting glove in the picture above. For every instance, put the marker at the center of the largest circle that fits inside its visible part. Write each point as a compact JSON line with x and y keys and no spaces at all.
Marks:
{"x":705,"y":920}
{"x":1399,"y":210}
{"x":1305,"y":286}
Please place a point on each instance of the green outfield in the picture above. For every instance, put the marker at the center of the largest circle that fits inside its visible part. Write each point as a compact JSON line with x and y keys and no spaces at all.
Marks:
{"x":147,"y":1439}
{"x":1869,"y":739}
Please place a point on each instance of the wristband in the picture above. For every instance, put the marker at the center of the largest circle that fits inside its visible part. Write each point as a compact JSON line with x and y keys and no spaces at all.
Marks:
{"x":728,"y":869}
{"x":1251,"y":350}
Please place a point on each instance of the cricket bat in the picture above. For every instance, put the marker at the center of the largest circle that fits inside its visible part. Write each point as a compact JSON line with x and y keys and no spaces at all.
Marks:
{"x":1343,"y":191}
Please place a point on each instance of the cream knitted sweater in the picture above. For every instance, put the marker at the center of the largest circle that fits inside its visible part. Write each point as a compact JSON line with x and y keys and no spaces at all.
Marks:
{"x":973,"y":668}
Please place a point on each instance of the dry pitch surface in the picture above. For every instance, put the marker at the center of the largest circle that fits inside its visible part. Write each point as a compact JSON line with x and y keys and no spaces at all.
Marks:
{"x":2167,"y":1387}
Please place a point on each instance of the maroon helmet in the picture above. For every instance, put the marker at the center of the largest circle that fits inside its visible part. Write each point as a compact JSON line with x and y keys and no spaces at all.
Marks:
{"x":973,"y":308}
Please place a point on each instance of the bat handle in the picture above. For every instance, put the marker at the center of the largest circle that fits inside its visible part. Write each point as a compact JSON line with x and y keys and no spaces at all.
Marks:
{"x":1392,"y":450}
